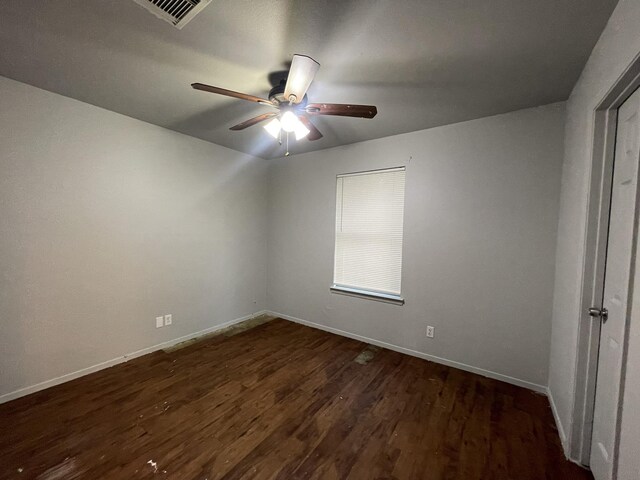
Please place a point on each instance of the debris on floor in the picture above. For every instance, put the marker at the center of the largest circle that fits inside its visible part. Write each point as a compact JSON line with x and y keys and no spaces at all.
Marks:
{"x":154,"y":465}
{"x":367,"y":354}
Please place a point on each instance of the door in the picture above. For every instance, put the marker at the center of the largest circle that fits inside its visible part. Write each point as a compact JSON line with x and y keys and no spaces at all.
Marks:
{"x":616,"y":290}
{"x":628,"y":457}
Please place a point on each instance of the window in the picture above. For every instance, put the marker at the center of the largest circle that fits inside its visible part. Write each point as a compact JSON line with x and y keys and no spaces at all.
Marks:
{"x":369,"y":224}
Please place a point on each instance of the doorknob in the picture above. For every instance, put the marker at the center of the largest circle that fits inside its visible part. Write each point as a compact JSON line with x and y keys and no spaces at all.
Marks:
{"x":602,"y":313}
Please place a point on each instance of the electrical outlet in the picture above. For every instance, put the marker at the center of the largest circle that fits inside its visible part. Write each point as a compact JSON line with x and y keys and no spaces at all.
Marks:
{"x":159,"y":322}
{"x":168,"y":319}
{"x":430,"y":331}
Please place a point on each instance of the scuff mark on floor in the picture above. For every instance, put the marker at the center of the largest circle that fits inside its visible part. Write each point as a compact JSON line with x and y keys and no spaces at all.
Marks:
{"x":229,"y":331}
{"x":63,"y":470}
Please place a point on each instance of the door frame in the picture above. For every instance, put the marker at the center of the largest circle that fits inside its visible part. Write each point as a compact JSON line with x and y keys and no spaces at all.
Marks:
{"x":605,"y":117}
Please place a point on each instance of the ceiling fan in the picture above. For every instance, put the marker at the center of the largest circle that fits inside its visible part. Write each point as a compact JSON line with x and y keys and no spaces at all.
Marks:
{"x":290,"y":99}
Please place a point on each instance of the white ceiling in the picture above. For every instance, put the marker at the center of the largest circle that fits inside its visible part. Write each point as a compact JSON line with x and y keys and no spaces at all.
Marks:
{"x":424,"y":63}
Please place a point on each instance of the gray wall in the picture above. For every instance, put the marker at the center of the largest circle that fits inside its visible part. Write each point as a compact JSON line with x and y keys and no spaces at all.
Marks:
{"x":481,"y":214}
{"x":619,"y":44}
{"x":107,"y":222}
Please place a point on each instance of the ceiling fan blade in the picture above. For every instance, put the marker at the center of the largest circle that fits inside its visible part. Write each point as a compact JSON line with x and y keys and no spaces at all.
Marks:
{"x":342,"y":110}
{"x":303,"y":70}
{"x":231,"y":93}
{"x":314,"y":133}
{"x":252,"y":121}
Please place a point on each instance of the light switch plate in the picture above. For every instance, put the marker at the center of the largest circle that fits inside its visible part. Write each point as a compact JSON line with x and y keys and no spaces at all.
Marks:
{"x":159,"y":322}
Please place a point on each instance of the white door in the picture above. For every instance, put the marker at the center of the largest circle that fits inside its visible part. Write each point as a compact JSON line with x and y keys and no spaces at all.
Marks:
{"x":616,"y":289}
{"x":628,"y":456}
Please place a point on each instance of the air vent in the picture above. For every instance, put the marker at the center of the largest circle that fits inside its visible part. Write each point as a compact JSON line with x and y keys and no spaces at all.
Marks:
{"x":177,"y":12}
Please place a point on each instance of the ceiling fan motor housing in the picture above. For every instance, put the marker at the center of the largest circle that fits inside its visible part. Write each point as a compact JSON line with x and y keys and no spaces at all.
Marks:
{"x":276,"y":95}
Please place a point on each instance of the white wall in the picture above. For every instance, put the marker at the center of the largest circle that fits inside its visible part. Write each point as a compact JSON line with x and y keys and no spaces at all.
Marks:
{"x":106,"y":222}
{"x":481,"y":215}
{"x":619,"y":44}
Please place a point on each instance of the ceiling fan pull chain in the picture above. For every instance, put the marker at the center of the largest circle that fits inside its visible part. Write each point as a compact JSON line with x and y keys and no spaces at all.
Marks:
{"x":287,"y":154}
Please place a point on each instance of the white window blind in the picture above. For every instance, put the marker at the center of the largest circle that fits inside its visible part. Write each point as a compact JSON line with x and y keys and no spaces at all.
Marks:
{"x":369,"y":226}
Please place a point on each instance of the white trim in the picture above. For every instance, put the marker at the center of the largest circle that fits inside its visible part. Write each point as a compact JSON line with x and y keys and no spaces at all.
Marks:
{"x":367,"y":294}
{"x":124,"y":358}
{"x":450,"y":363}
{"x":561,"y":433}
{"x":556,"y":417}
{"x":369,"y":172}
{"x":593,"y":259}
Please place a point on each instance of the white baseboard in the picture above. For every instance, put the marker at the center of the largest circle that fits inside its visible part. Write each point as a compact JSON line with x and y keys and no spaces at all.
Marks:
{"x":561,"y":432}
{"x":129,"y":356}
{"x":450,"y":363}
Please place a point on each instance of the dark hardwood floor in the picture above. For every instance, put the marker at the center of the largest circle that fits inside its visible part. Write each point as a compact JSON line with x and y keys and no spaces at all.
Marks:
{"x":281,"y":401}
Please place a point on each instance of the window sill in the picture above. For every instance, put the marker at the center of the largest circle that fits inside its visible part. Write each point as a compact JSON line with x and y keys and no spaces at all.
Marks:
{"x":378,"y":297}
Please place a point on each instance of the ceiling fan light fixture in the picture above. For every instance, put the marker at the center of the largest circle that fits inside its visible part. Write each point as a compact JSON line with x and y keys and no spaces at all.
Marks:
{"x":289,"y":122}
{"x":273,"y":127}
{"x":301,"y":130}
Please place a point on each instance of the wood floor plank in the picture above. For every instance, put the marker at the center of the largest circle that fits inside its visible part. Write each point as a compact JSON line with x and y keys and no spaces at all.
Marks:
{"x":281,"y":401}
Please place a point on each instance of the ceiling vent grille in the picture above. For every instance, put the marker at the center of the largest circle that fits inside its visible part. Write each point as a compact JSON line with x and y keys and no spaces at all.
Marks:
{"x":177,"y":12}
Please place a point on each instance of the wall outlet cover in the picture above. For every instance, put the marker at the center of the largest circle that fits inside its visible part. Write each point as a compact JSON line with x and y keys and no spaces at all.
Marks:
{"x":168,"y":319}
{"x":430,"y":332}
